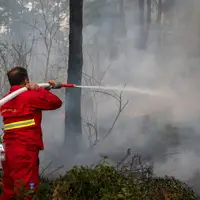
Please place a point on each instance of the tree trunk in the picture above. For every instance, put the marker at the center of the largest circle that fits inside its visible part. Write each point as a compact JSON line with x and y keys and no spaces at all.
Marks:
{"x":158,"y":20}
{"x":148,"y":22}
{"x":144,"y":23}
{"x":148,"y":12}
{"x":141,"y":12}
{"x":122,"y":21}
{"x":73,"y":125}
{"x":159,"y":11}
{"x":140,"y":43}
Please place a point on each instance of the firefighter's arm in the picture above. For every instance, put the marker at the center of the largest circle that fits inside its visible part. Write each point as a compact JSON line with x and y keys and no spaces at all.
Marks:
{"x":52,"y":84}
{"x":44,"y":100}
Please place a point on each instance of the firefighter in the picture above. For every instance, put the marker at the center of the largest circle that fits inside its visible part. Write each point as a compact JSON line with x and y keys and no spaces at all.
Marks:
{"x":23,"y":135}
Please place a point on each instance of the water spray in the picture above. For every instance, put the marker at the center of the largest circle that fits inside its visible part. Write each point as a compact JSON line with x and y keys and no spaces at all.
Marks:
{"x":125,"y":89}
{"x":66,"y":85}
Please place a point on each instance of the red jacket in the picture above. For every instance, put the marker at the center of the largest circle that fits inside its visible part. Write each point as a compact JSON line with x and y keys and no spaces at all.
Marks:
{"x":27,"y":106}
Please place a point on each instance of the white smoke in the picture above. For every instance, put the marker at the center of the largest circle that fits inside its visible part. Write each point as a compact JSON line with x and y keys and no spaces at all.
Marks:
{"x":172,"y":67}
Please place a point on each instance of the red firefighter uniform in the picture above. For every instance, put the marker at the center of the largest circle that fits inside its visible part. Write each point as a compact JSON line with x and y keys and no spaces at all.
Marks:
{"x":23,"y":139}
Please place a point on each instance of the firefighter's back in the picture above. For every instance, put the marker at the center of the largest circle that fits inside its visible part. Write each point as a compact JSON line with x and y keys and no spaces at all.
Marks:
{"x":22,"y":123}
{"x":22,"y":116}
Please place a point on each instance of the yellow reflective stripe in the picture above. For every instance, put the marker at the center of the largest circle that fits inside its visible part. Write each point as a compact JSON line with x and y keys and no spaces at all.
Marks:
{"x":25,"y":121}
{"x":20,"y":124}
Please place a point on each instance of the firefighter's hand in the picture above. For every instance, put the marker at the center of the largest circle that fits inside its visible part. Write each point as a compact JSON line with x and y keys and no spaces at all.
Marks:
{"x":52,"y":82}
{"x":55,"y":84}
{"x":32,"y":86}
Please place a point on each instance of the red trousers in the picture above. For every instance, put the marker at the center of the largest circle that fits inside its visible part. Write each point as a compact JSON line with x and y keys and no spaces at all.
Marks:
{"x":20,"y":171}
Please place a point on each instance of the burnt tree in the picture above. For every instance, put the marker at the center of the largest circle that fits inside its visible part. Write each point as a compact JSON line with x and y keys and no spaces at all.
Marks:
{"x":73,"y":127}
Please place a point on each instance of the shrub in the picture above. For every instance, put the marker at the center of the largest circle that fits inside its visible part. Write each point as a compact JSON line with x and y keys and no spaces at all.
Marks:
{"x":104,"y":182}
{"x":127,"y":182}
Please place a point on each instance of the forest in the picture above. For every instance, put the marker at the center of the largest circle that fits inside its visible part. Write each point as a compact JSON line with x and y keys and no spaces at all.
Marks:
{"x":109,"y":144}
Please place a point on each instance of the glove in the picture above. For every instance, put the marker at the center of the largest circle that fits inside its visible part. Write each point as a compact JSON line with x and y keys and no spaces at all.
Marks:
{"x":55,"y":85}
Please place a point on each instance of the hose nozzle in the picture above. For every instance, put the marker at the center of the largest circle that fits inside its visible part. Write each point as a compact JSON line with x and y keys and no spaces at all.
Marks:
{"x":68,"y":85}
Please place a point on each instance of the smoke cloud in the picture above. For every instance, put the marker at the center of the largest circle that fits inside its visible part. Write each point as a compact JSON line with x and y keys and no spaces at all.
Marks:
{"x":170,"y":64}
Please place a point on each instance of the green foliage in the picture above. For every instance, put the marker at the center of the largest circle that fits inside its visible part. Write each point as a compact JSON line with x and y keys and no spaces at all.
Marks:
{"x":108,"y":183}
{"x":105,"y":182}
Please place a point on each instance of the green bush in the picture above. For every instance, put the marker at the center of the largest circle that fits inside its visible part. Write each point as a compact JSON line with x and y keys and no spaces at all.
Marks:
{"x":104,"y":182}
{"x":127,"y":182}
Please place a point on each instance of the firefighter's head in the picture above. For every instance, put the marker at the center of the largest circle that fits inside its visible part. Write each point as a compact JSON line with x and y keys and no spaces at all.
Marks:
{"x":18,"y":76}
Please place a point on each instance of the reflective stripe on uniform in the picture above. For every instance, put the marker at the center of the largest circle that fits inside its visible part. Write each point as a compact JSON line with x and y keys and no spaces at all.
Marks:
{"x":20,"y":124}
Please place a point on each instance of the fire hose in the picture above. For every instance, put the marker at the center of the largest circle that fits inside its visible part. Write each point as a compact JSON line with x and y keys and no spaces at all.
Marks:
{"x":23,"y":89}
{"x":16,"y":93}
